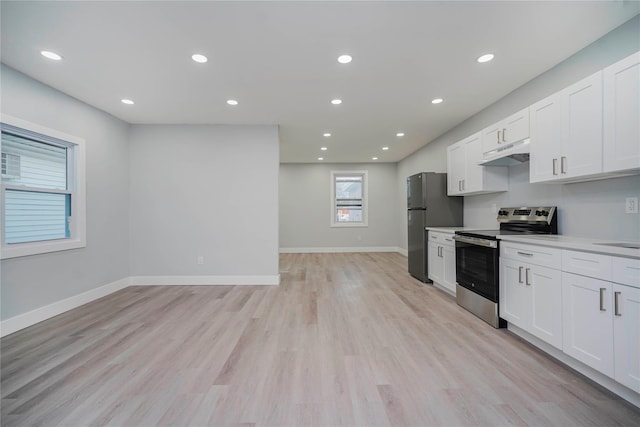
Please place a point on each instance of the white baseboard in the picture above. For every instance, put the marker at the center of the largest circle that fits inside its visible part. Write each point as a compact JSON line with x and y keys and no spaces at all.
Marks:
{"x":404,"y":252}
{"x":32,"y":317}
{"x":203,"y":280}
{"x":323,"y":250}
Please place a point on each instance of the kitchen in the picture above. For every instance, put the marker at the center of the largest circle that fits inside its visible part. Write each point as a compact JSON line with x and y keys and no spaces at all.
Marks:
{"x":302,"y":214}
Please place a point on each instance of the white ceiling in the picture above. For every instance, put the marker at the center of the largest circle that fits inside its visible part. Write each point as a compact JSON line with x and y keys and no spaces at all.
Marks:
{"x":278,"y":59}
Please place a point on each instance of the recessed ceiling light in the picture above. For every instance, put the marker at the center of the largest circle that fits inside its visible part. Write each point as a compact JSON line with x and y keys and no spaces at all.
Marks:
{"x":437,"y":100}
{"x":374,"y":158}
{"x":232,"y":102}
{"x":336,"y":101}
{"x":51,"y":55}
{"x":385,"y":148}
{"x":320,"y":158}
{"x":326,"y":135}
{"x":323,"y":148}
{"x":344,"y":59}
{"x":199,"y":58}
{"x":127,"y":101}
{"x":400,"y":134}
{"x":485,"y":58}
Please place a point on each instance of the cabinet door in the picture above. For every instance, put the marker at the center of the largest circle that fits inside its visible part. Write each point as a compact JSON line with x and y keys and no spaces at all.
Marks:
{"x":545,"y":285}
{"x":455,"y":168}
{"x":626,"y":338}
{"x":621,"y":112}
{"x":491,"y":137}
{"x":449,"y":274}
{"x":436,"y":266}
{"x":516,"y":127}
{"x":546,"y":135}
{"x":588,"y":321}
{"x":474,"y":176}
{"x":514,"y":295}
{"x":582,"y":128}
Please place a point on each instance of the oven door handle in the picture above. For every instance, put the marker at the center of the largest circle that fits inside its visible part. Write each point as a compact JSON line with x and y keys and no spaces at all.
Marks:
{"x":476,"y":241}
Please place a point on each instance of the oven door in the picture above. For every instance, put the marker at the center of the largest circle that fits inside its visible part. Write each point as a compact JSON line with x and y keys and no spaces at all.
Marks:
{"x":477,"y":266}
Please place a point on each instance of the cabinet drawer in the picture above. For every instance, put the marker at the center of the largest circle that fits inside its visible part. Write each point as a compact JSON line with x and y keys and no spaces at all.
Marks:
{"x":587,"y":264}
{"x":444,"y":239}
{"x":626,"y":271}
{"x":538,"y":255}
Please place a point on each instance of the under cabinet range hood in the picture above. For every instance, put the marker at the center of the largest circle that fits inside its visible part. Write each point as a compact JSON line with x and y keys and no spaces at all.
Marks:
{"x":509,"y":155}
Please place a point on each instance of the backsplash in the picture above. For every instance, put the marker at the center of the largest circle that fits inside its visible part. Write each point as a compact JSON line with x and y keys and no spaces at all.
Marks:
{"x":587,"y":209}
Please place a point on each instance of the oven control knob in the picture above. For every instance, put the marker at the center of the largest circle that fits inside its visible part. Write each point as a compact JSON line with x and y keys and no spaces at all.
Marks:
{"x":544,"y":213}
{"x":503,"y":213}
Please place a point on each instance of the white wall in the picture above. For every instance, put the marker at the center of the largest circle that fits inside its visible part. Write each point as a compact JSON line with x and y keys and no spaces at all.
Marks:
{"x":305,"y":208}
{"x":578,"y":203}
{"x":209,"y":191}
{"x":35,"y":281}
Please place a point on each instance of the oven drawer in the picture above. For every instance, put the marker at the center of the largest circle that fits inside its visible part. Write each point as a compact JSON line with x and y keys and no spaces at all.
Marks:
{"x":538,"y":255}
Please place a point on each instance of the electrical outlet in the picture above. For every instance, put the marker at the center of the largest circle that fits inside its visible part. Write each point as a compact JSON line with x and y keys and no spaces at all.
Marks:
{"x":631,"y":205}
{"x":200,"y":260}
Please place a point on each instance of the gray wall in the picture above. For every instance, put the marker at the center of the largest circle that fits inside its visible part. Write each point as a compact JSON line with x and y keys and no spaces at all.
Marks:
{"x":305,"y":207}
{"x":579,"y":202}
{"x":209,"y":191}
{"x":34,"y":281}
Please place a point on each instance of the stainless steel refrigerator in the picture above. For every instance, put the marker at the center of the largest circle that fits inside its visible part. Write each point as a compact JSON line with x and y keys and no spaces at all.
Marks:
{"x":428,"y":206}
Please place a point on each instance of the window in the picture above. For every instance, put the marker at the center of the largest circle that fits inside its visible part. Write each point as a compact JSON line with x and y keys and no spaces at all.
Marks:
{"x":43,"y":200}
{"x":349,"y":199}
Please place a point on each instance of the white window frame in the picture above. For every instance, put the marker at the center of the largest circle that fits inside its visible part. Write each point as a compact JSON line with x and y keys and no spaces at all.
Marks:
{"x":76,"y":168}
{"x":365,"y":198}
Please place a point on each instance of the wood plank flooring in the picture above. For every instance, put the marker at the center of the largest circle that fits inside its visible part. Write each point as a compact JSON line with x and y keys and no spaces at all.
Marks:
{"x":345,"y":340}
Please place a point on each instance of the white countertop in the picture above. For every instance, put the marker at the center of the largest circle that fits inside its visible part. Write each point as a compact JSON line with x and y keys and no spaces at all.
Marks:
{"x":451,"y":229}
{"x":576,"y":243}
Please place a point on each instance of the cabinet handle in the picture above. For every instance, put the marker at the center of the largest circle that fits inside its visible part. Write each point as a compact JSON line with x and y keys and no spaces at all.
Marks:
{"x":448,"y":240}
{"x":520,"y":274}
{"x":526,"y":277}
{"x":524,"y":253}
{"x":602,"y":299}
{"x":563,"y":163}
{"x":463,"y":185}
{"x":459,"y":185}
{"x":555,"y":166}
{"x":498,"y":135}
{"x":504,"y":132}
{"x":616,"y":307}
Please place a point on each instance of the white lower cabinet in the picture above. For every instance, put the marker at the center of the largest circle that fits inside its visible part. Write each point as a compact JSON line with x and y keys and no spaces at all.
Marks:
{"x":601,"y":317}
{"x":530,"y":294}
{"x":442,"y":260}
{"x":585,"y":304}
{"x":626,"y":335}
{"x":588,"y":321}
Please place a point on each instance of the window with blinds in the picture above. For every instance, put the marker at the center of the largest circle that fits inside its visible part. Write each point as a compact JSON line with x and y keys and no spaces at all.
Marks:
{"x":348,"y":198}
{"x":39,"y":192}
{"x":37,"y":198}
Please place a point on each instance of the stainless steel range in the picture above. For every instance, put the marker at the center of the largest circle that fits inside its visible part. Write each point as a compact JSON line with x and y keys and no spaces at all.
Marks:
{"x":477,"y":258}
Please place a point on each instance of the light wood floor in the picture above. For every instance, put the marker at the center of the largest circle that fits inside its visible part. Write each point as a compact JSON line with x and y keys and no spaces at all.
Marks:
{"x":345,"y":340}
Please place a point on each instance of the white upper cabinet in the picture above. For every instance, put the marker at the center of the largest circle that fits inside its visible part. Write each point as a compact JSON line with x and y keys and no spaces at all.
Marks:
{"x":546,"y":134}
{"x":622,"y":115}
{"x":512,"y":129}
{"x":464,"y":174}
{"x":566,"y":133}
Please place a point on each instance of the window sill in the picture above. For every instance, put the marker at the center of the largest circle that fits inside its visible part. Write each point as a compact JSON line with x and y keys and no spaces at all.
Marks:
{"x":36,"y":248}
{"x":348,"y":225}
